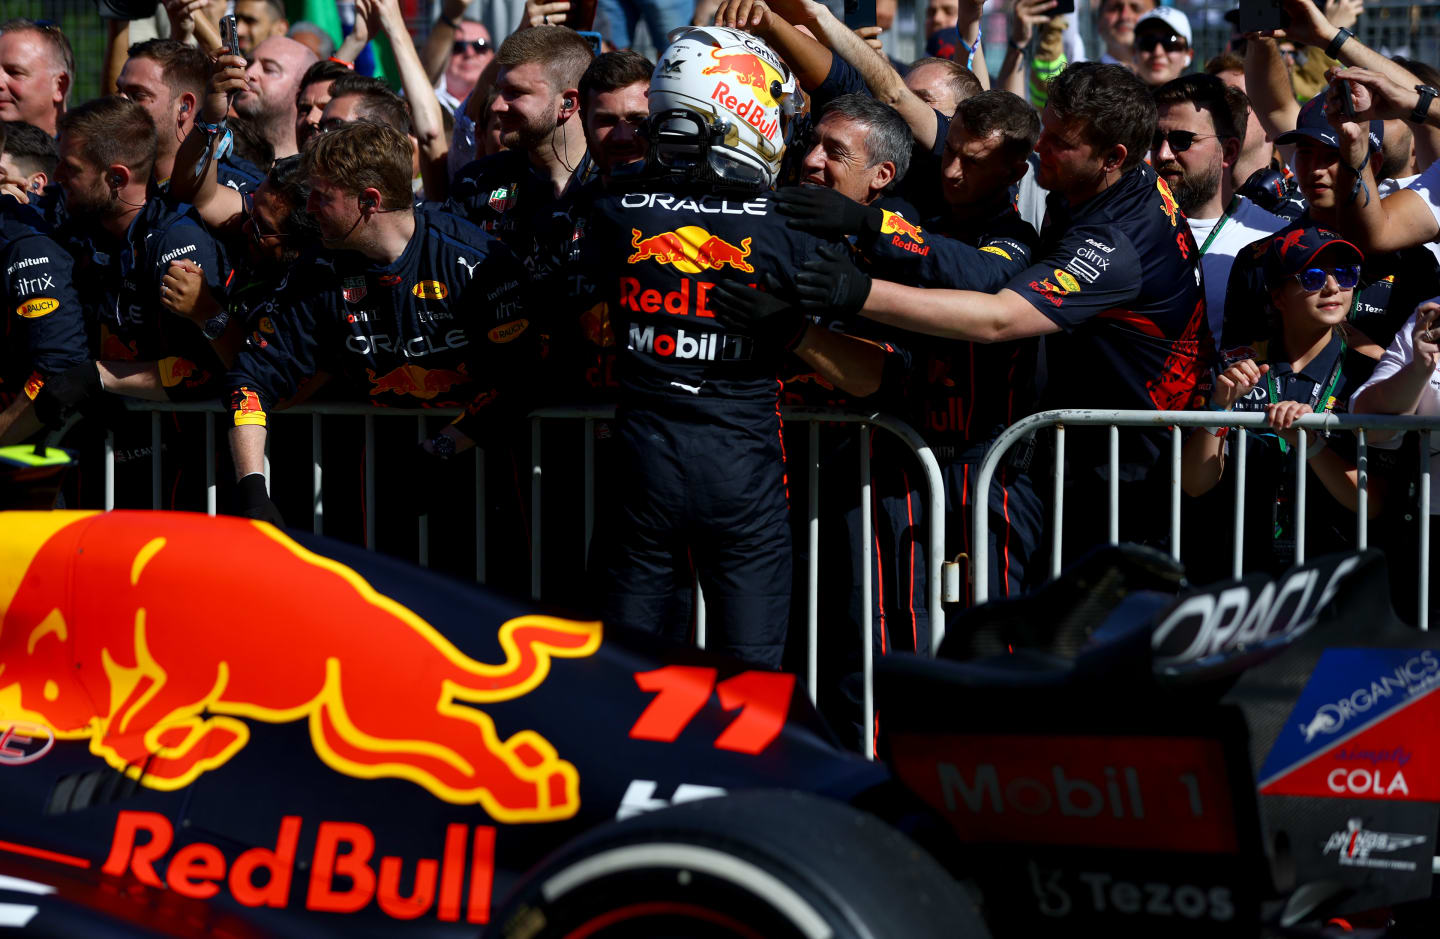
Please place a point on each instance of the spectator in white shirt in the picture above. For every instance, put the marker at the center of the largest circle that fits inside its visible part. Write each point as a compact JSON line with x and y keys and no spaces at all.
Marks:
{"x":1197,"y":140}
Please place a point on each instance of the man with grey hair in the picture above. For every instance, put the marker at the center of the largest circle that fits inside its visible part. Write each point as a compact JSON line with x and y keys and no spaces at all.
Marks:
{"x":862,"y":149}
{"x":37,"y":69}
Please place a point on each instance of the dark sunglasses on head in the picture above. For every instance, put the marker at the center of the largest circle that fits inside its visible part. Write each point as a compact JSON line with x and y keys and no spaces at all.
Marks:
{"x":475,"y":45}
{"x":1179,"y":140}
{"x":1313,"y":278}
{"x":1172,"y":43}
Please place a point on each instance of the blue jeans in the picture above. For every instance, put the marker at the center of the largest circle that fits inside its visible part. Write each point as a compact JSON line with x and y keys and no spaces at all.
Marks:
{"x":661,"y":16}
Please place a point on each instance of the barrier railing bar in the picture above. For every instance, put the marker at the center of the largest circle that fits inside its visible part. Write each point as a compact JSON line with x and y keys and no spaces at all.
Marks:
{"x":1362,"y":494}
{"x":210,"y":491}
{"x":1302,"y":454}
{"x":1114,"y":484}
{"x":155,"y":464}
{"x":423,"y":523}
{"x":867,"y":728}
{"x":109,"y":470}
{"x":812,"y":575}
{"x":317,"y":478}
{"x":1423,"y":613}
{"x":535,"y":472}
{"x":370,"y":482}
{"x":1237,"y":547}
{"x":700,"y":634}
{"x":589,"y":493}
{"x":1059,"y":501}
{"x":1175,"y":492}
{"x":1329,"y":422}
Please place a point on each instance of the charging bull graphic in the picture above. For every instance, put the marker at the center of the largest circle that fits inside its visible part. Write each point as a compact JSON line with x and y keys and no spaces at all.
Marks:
{"x":762,"y":78}
{"x":1168,"y":205}
{"x":127,"y":629}
{"x":691,"y":249}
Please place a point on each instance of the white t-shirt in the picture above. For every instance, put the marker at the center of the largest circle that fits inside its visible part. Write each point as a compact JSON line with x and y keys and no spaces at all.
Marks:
{"x":1400,"y":354}
{"x":1389,"y":186}
{"x":1427,"y":184}
{"x":1249,"y":223}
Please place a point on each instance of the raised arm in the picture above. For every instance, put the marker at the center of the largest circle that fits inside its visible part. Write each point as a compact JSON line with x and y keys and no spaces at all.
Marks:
{"x":442,"y":37}
{"x":384,"y":16}
{"x":883,"y":81}
{"x":808,"y":59}
{"x":219,"y":206}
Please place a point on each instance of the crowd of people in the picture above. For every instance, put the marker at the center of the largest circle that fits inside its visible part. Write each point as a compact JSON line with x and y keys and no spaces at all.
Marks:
{"x":773,"y":212}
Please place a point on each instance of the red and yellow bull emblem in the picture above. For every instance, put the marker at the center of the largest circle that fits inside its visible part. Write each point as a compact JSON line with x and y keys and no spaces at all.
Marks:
{"x":1168,"y":205}
{"x":165,"y":693}
{"x":33,"y":384}
{"x":897,"y":224}
{"x":691,"y":249}
{"x":37,"y":307}
{"x":424,"y":383}
{"x":174,"y":370}
{"x":749,"y":70}
{"x":247,"y":407}
{"x":430,"y":290}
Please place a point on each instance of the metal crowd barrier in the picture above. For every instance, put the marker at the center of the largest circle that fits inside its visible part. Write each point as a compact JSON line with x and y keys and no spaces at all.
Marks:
{"x":1175,"y":420}
{"x":813,"y":417}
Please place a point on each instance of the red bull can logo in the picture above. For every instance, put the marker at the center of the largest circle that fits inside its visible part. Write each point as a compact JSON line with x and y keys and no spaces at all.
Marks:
{"x":423,"y":383}
{"x":123,"y":665}
{"x":691,"y":249}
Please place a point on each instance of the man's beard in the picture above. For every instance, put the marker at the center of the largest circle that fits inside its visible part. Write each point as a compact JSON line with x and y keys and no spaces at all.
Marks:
{"x":525,"y":137}
{"x":1191,"y":192}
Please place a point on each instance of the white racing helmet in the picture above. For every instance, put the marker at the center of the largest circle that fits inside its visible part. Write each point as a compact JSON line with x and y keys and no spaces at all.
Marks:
{"x":716,"y":100}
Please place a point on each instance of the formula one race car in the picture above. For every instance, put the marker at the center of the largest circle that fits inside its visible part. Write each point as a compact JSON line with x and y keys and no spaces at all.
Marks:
{"x":210,"y":726}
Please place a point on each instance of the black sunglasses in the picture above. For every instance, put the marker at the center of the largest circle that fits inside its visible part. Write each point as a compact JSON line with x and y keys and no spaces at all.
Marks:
{"x":475,"y":45}
{"x":1179,"y":140}
{"x":1172,"y":43}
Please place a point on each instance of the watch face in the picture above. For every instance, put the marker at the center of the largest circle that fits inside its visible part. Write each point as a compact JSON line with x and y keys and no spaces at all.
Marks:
{"x":443,"y":445}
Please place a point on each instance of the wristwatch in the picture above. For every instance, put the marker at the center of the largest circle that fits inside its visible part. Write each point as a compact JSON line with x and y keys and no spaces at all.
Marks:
{"x":1333,"y":50}
{"x":215,"y":326}
{"x":442,"y":446}
{"x":1427,"y":94}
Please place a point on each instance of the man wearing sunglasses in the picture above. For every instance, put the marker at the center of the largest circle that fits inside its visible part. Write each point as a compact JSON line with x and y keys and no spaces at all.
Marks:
{"x":1162,"y":46}
{"x":469,"y":54}
{"x":1197,"y":142}
{"x":1391,"y":284}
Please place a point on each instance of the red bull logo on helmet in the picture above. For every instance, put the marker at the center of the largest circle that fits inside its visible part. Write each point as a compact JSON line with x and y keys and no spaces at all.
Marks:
{"x":691,"y":249}
{"x":165,"y":693}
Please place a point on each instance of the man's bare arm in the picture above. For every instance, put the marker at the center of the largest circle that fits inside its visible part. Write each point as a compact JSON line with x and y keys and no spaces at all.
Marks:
{"x":956,"y":314}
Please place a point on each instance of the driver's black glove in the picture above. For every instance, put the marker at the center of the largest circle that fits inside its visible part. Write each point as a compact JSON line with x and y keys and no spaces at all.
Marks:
{"x":760,"y":313}
{"x":65,"y":392}
{"x":827,"y":213}
{"x":830,"y":285}
{"x":252,"y":501}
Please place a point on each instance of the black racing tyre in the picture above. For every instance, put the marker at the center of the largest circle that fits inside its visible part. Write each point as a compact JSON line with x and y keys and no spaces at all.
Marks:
{"x":771,"y":864}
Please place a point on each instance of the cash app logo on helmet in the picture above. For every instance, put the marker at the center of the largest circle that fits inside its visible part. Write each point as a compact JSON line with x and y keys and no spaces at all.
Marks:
{"x":716,"y":102}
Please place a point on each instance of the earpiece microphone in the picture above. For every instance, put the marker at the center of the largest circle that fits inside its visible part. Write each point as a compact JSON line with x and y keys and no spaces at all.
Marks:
{"x":367,"y":203}
{"x":184,"y":107}
{"x":568,"y":102}
{"x":115,"y":180}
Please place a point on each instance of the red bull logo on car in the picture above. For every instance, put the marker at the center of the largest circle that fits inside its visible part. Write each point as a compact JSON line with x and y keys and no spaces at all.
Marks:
{"x":338,"y":874}
{"x":164,"y":692}
{"x":691,"y":249}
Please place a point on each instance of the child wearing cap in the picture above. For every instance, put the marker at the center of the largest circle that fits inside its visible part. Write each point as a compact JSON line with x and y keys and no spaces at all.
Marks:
{"x":1306,"y":368}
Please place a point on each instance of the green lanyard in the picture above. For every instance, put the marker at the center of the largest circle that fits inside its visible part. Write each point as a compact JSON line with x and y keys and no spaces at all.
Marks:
{"x":1315,"y":396}
{"x":1219,"y":225}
